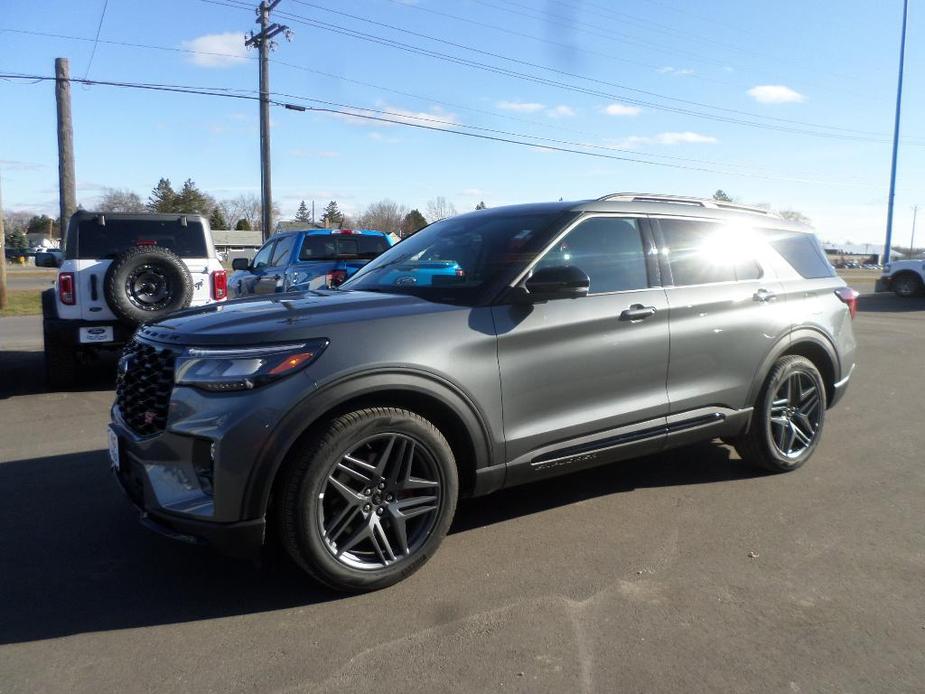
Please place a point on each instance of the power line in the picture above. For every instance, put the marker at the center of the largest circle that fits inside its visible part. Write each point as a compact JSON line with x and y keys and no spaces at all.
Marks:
{"x":357,"y":112}
{"x":96,"y":41}
{"x":346,"y":31}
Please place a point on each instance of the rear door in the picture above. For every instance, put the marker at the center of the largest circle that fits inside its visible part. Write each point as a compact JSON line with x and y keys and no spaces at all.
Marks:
{"x":581,"y":374}
{"x":727,"y":310}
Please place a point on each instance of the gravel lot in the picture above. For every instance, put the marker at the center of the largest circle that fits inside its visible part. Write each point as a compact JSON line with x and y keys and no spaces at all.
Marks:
{"x":683,"y":572}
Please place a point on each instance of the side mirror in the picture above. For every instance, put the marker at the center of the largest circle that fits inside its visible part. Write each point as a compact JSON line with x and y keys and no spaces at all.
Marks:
{"x":46,"y":260}
{"x":240,"y":264}
{"x":559,"y":282}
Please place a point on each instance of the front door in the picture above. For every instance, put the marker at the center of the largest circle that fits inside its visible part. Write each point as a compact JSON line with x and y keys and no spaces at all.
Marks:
{"x":583,"y":379}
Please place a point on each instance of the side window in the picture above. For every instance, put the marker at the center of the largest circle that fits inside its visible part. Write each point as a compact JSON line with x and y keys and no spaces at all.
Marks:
{"x":608,"y":249}
{"x":697,"y":252}
{"x":802,"y":251}
{"x":748,"y":269}
{"x":283,"y":251}
{"x":262,"y":259}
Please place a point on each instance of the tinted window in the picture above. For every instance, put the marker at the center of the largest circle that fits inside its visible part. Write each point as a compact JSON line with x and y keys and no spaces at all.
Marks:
{"x":609,"y":250}
{"x":802,"y":251}
{"x":283,"y":250}
{"x":696,"y":252}
{"x":464,"y":259}
{"x":262,"y":259}
{"x":342,"y":246}
{"x":118,"y":235}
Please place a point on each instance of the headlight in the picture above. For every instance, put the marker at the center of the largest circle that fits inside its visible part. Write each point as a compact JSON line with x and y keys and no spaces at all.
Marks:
{"x":224,"y":369}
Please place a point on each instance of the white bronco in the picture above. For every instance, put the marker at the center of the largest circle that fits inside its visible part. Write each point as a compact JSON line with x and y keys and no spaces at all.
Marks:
{"x":120,"y":271}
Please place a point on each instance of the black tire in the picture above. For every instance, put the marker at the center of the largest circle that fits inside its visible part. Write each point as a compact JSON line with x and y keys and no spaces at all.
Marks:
{"x":764,"y":443}
{"x":60,"y":364}
{"x":147,"y":283}
{"x":907,"y":285}
{"x":306,"y":478}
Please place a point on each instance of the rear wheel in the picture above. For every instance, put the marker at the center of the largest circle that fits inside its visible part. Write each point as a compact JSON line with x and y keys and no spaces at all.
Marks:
{"x":907,"y":285}
{"x":788,"y":419}
{"x":369,"y":500}
{"x":60,"y":364}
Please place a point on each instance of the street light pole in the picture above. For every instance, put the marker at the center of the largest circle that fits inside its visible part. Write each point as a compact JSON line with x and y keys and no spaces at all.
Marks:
{"x":888,"y":242}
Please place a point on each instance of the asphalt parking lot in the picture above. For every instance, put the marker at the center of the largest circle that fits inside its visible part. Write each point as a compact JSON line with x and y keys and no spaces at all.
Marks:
{"x":682,"y":572}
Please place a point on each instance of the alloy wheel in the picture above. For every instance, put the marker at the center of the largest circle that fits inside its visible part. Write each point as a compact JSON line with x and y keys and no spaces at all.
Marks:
{"x":380,"y":502}
{"x":794,"y":415}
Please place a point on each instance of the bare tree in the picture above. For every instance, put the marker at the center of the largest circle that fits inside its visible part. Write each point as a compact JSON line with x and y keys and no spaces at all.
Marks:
{"x":439,"y":208}
{"x":794,"y":216}
{"x":121,"y":200}
{"x":247,"y":207}
{"x":384,"y":215}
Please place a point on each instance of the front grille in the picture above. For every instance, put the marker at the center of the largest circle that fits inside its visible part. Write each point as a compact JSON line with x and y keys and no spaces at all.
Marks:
{"x":143,"y":386}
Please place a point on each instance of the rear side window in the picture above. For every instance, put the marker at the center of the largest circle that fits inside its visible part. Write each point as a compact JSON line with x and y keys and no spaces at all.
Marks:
{"x":608,"y":249}
{"x":338,"y":246}
{"x":695,"y":252}
{"x":118,"y":235}
{"x":802,"y":251}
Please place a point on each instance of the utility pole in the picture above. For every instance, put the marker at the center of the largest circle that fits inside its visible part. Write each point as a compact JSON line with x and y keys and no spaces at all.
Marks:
{"x":915,"y":211}
{"x":264,"y":42}
{"x":2,"y":254}
{"x":67,"y":187}
{"x":899,"y":98}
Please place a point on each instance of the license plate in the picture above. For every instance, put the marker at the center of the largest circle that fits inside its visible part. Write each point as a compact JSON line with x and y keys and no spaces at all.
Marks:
{"x":102,"y":333}
{"x":114,"y":450}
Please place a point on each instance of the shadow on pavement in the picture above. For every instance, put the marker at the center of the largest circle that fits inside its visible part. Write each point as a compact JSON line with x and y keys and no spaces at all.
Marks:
{"x":74,"y":559}
{"x":887,"y":302}
{"x":24,"y":373}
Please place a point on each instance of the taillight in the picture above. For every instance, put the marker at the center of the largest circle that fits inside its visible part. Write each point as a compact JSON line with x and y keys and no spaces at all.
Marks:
{"x":219,"y":285}
{"x":336,"y":278}
{"x":67,"y":292}
{"x":343,"y":231}
{"x":850,"y":299}
{"x":460,"y":272}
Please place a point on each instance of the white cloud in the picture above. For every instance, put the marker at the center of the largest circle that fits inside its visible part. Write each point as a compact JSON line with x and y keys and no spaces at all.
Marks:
{"x":775,"y":94}
{"x":678,"y":72}
{"x":560,"y":111}
{"x":520,"y":106}
{"x":621,"y":110}
{"x":666,"y":138}
{"x":435,"y":118}
{"x":217,"y":50}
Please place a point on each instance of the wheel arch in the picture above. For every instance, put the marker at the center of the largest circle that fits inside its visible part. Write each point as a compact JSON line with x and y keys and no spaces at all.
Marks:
{"x":805,"y":342}
{"x":450,"y":410}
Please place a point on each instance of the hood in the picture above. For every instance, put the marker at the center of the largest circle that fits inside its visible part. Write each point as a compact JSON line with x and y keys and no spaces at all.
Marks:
{"x":282,"y":317}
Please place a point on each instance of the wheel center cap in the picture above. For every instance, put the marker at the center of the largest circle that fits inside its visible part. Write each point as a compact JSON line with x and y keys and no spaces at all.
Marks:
{"x":377,"y":498}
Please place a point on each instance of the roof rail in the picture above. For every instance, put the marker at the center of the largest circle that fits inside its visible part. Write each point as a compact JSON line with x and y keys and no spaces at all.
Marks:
{"x":684,"y":200}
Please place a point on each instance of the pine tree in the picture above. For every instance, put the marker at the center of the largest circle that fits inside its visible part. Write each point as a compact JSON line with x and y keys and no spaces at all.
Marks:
{"x":413,"y":221}
{"x":481,"y":205}
{"x":217,"y":219}
{"x":302,"y":214}
{"x":720,"y":196}
{"x":332,"y":216}
{"x":242,"y":225}
{"x":191,"y":200}
{"x":163,"y":197}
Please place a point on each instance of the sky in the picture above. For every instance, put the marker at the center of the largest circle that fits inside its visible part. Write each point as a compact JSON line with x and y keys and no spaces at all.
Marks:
{"x":788,"y":103}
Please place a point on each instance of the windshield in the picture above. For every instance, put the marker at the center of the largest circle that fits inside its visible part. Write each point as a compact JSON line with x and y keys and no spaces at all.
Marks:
{"x":459,"y":260}
{"x":342,"y":246}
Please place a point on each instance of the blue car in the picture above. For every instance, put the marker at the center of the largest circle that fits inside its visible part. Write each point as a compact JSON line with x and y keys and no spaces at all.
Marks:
{"x":312,"y":259}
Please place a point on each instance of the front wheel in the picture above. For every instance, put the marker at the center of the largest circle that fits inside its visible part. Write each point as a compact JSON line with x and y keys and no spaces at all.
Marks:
{"x":787,"y":423}
{"x":369,"y":500}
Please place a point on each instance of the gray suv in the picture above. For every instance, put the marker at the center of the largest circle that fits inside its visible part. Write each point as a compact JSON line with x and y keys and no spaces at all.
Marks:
{"x":348,"y":422}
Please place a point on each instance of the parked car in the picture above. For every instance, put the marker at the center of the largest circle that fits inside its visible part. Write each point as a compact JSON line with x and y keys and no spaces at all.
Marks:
{"x":120,"y":271}
{"x":348,"y":422}
{"x":300,"y":260}
{"x":905,"y":278}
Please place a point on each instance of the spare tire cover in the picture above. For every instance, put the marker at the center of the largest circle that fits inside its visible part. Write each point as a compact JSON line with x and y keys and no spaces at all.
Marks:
{"x":147,"y":283}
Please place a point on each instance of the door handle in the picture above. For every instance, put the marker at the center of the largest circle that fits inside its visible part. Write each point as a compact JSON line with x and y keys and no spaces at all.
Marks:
{"x":764,"y":295}
{"x":638,"y":312}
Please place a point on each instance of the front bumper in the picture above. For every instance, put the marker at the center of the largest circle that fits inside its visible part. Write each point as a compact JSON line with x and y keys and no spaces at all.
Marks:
{"x":882,"y":285}
{"x":172,"y":493}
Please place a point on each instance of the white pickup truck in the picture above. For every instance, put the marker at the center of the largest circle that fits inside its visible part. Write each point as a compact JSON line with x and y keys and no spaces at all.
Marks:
{"x":906,"y":278}
{"x":120,"y":271}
